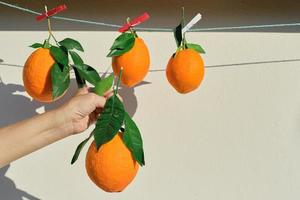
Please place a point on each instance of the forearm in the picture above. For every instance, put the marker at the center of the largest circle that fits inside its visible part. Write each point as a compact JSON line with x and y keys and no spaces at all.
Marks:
{"x":30,"y":135}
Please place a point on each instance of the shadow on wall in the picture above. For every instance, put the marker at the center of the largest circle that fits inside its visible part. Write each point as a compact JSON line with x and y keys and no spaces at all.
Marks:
{"x":8,"y":189}
{"x":15,"y":107}
{"x":69,"y":94}
{"x":129,"y":99}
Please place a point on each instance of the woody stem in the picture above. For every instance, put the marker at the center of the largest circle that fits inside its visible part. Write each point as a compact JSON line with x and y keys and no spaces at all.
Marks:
{"x":118,"y":82}
{"x":183,"y":25}
{"x":130,"y":28}
{"x":49,"y":28}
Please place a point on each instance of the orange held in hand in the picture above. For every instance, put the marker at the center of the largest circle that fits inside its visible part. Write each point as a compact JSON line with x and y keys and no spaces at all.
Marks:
{"x":135,"y":63}
{"x":112,"y":167}
{"x":37,"y":75}
{"x":185,"y":70}
{"x":113,"y":159}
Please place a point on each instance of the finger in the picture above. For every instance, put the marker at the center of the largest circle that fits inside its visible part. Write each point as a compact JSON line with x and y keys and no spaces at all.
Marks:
{"x":108,"y":95}
{"x":96,"y":114}
{"x":98,"y":110}
{"x":93,"y":117}
{"x":83,"y":90}
{"x":98,"y":101}
{"x":91,"y":121}
{"x":91,"y":89}
{"x":111,"y":94}
{"x":108,"y":92}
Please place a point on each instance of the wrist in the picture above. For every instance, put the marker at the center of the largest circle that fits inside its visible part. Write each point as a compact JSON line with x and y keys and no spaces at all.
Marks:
{"x":64,"y":124}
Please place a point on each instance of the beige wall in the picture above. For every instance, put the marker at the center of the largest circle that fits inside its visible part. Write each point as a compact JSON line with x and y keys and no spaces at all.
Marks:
{"x":236,"y":137}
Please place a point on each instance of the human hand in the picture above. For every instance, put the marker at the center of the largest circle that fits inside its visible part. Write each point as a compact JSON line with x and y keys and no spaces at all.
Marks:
{"x":83,"y":109}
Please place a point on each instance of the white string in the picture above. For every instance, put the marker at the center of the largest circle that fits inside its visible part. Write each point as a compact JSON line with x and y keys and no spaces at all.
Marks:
{"x":153,"y":29}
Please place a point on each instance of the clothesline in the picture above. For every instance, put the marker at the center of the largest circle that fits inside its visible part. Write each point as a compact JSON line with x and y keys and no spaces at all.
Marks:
{"x":153,"y":29}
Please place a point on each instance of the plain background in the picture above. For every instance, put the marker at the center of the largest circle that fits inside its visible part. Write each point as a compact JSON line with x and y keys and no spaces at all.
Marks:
{"x":236,"y":137}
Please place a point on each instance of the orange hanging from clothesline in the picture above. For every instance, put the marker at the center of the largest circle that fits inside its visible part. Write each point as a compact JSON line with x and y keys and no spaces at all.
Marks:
{"x":185,"y":69}
{"x":130,"y":53}
{"x":37,"y":75}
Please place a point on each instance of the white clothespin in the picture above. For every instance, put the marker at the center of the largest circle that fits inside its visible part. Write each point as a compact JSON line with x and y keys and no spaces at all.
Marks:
{"x":192,"y":23}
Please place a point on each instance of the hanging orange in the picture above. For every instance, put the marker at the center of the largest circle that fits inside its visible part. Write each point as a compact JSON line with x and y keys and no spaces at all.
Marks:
{"x":185,"y":70}
{"x":135,"y":63}
{"x":37,"y":75}
{"x":112,"y":167}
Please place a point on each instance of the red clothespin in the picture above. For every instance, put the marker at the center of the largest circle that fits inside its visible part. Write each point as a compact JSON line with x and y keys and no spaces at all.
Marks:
{"x":51,"y":12}
{"x":134,"y":22}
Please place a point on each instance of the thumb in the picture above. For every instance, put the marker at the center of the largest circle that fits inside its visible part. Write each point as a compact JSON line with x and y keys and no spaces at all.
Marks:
{"x":99,"y":101}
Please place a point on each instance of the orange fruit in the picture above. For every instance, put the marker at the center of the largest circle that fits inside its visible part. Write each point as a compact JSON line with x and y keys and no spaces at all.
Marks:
{"x":135,"y":63}
{"x":185,"y":70}
{"x":37,"y":75}
{"x":112,"y":167}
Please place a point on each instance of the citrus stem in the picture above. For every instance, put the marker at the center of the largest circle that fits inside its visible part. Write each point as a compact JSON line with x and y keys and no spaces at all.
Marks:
{"x":130,"y":28}
{"x":49,"y":28}
{"x":183,"y":25}
{"x":118,"y":82}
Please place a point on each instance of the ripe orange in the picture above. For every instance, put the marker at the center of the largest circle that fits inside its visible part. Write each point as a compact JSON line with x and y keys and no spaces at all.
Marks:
{"x":135,"y":63}
{"x":37,"y":75}
{"x":185,"y":70}
{"x":112,"y":167}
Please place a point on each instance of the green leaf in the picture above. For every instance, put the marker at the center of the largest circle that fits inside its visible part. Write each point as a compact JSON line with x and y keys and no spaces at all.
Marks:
{"x":79,"y":148}
{"x":46,"y":44}
{"x":79,"y":79}
{"x":59,"y":55}
{"x":60,"y":79}
{"x":196,"y":47}
{"x":133,"y":140}
{"x":77,"y":60}
{"x":36,"y":45}
{"x":122,"y":44}
{"x":104,"y":85}
{"x":60,"y":75}
{"x":71,"y":44}
{"x":88,"y":73}
{"x":64,"y":49}
{"x":110,"y":121}
{"x":178,"y":34}
{"x":121,"y":41}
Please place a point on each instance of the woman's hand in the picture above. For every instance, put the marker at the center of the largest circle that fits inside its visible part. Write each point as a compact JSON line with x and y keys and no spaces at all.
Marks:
{"x":83,"y":109}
